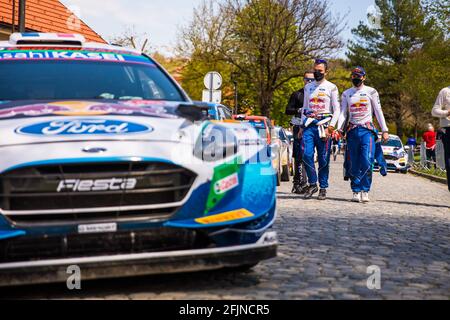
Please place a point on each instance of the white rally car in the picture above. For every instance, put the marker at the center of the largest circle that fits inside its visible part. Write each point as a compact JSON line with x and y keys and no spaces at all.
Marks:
{"x":108,"y":165}
{"x":395,"y":155}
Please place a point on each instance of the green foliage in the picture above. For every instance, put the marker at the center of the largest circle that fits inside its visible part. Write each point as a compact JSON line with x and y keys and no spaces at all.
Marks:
{"x":393,"y":54}
{"x":265,"y":44}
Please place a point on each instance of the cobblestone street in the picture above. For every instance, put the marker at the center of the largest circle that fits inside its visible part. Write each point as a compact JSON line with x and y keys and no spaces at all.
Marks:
{"x":325,"y":249}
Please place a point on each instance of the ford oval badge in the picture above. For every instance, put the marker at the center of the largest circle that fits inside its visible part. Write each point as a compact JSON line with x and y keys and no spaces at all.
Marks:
{"x":83,"y":127}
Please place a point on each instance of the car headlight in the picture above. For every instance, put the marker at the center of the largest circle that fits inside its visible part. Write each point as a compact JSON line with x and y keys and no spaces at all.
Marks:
{"x":215,"y":143}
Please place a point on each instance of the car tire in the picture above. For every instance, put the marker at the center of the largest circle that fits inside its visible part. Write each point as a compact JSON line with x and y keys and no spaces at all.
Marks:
{"x":285,"y":173}
{"x":404,"y":171}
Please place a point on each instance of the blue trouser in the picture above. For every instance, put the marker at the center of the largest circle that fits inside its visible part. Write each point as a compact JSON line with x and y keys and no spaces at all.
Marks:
{"x":379,"y":158}
{"x":311,"y":142}
{"x":361,"y":156}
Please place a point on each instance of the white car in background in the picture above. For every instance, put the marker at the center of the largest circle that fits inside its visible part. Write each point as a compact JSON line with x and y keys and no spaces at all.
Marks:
{"x":395,"y":154}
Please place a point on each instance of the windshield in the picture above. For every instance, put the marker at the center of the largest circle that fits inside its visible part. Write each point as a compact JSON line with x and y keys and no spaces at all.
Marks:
{"x":393,"y":143}
{"x":83,"y":79}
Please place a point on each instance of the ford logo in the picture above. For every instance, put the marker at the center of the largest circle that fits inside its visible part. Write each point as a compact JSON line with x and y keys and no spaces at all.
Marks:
{"x":83,"y":127}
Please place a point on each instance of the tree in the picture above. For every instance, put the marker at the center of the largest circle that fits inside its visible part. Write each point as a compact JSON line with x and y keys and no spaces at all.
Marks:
{"x":270,"y":41}
{"x":439,"y":10}
{"x":386,"y":50}
{"x":427,"y":73}
{"x":200,"y":41}
{"x":131,"y":38}
{"x":266,"y":42}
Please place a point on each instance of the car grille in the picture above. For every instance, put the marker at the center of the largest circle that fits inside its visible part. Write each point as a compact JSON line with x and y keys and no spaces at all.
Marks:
{"x":156,"y":184}
{"x":388,"y":157}
{"x":89,"y":245}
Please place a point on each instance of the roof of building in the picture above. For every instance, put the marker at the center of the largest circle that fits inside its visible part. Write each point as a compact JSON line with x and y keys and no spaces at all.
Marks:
{"x":48,"y":16}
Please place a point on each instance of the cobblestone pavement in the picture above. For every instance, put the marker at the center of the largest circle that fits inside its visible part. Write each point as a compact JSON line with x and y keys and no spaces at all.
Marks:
{"x":325,"y":249}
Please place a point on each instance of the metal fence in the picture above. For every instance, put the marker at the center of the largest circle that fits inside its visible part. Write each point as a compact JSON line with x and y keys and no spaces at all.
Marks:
{"x":419,"y":161}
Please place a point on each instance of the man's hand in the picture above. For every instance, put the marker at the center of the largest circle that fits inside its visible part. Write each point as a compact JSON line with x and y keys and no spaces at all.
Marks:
{"x":331,"y":130}
{"x":385,"y":137}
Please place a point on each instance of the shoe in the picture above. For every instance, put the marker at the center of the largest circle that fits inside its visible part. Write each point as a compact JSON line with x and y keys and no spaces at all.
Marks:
{"x":383,"y":171}
{"x":365,"y":197}
{"x":297,"y":189}
{"x":322,"y":194}
{"x":302,"y":190}
{"x":356,"y":197}
{"x":310,"y":191}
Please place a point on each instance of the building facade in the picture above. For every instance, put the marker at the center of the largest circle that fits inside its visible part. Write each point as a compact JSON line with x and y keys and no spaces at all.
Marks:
{"x":43,"y":16}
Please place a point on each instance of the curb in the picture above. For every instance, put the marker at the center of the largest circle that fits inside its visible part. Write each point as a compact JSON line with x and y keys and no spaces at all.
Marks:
{"x":429,"y":176}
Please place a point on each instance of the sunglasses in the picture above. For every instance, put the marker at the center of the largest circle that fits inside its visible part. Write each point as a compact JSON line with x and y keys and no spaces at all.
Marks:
{"x":309,"y":79}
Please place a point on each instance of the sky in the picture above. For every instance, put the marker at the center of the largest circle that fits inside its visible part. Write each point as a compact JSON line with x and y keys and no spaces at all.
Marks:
{"x":161,"y":19}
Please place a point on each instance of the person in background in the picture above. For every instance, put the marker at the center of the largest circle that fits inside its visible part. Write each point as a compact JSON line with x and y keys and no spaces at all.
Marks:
{"x":429,"y":137}
{"x":320,"y":114}
{"x":441,"y":110}
{"x":294,"y":109}
{"x":412,"y":143}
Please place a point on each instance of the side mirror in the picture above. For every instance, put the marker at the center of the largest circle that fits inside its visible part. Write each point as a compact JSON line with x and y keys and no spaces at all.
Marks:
{"x":275,"y":149}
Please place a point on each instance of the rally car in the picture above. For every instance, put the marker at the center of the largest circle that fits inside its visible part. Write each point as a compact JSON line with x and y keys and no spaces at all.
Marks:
{"x":108,"y":165}
{"x":395,"y":155}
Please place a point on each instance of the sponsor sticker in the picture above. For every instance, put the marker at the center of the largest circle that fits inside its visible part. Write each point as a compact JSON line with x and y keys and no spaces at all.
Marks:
{"x":113,"y":184}
{"x":225,"y":217}
{"x":71,"y":55}
{"x":97,"y":228}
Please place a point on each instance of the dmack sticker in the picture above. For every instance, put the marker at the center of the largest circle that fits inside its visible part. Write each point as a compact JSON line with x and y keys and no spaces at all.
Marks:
{"x":83,"y":127}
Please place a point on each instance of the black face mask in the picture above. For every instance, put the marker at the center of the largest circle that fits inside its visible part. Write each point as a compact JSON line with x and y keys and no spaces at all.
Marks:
{"x":319,"y":76}
{"x":357,"y":82}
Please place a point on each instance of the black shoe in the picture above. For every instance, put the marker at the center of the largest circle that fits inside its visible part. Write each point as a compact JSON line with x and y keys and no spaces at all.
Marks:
{"x":297,"y":189}
{"x":310,"y":191}
{"x":322,"y":194}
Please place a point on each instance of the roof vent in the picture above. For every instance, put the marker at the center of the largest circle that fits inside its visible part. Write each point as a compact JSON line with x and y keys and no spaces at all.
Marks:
{"x":47,"y":38}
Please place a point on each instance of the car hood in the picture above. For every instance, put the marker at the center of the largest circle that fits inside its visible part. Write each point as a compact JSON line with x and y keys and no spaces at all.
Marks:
{"x":56,"y":121}
{"x":392,"y":150}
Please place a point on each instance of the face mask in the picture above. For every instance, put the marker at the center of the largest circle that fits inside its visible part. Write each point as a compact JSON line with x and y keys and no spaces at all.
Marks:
{"x":357,"y":82}
{"x":319,"y":76}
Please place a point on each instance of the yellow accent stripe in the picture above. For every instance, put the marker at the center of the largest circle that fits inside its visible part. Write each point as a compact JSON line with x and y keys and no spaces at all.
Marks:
{"x":224,"y":217}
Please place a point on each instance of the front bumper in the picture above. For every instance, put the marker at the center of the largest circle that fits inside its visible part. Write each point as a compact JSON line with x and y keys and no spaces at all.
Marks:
{"x":113,"y":266}
{"x":395,"y":165}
